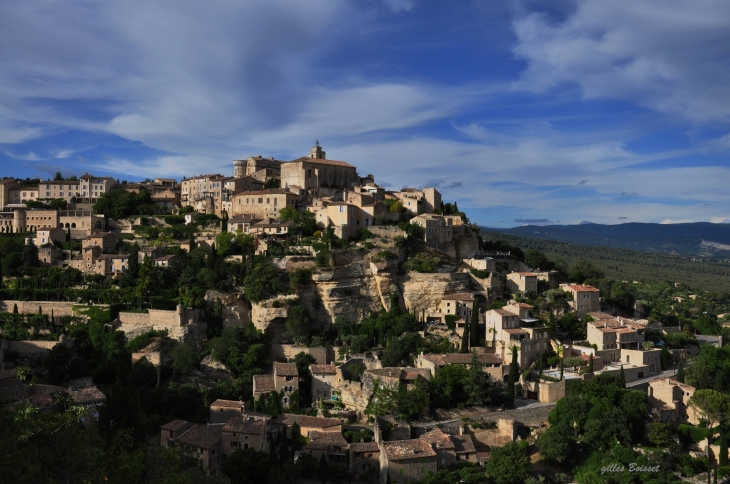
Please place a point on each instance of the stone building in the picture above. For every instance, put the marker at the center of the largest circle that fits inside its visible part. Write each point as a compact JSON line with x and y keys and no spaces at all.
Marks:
{"x":331,"y":445}
{"x":432,"y":362}
{"x":221,"y":411}
{"x":406,"y":460}
{"x":201,"y":440}
{"x":586,"y":299}
{"x":245,"y":433}
{"x":263,"y":203}
{"x":524,"y":282}
{"x":324,"y":380}
{"x":8,"y":188}
{"x":257,"y":167}
{"x":439,"y":229}
{"x":91,"y":188}
{"x":285,"y":379}
{"x":669,"y":402}
{"x":307,"y":425}
{"x":365,"y":462}
{"x":505,"y":331}
{"x":315,"y":171}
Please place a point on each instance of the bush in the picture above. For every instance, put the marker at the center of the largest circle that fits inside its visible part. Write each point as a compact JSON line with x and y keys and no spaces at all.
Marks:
{"x":689,"y":433}
{"x":422,"y":262}
{"x":450,"y":320}
{"x":480,"y":274}
{"x":174,"y":219}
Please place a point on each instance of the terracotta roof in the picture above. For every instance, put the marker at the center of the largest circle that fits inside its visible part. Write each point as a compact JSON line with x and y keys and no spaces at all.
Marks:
{"x":407,"y":449}
{"x":202,"y":436}
{"x":438,"y":439}
{"x":285,"y":369}
{"x":463,"y":444}
{"x":238,"y":219}
{"x":364,"y":447}
{"x":583,"y":288}
{"x":89,"y":394}
{"x":322,"y":161}
{"x":324,"y":440}
{"x":515,"y":331}
{"x":175,"y":425}
{"x":323,"y":369}
{"x":263,"y":383}
{"x":458,"y":296}
{"x":624,"y":330}
{"x":228,"y":404}
{"x":251,"y":427}
{"x":522,"y":305}
{"x":306,"y":421}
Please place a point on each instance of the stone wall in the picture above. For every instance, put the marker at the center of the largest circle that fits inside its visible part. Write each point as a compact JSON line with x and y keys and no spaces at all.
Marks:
{"x":284,"y":351}
{"x":59,"y":308}
{"x":192,"y":331}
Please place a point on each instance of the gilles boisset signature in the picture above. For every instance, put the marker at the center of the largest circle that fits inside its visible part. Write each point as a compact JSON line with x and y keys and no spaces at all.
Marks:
{"x":633,"y":467}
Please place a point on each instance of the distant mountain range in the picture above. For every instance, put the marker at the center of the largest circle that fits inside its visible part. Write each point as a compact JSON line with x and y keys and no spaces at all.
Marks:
{"x":702,"y":238}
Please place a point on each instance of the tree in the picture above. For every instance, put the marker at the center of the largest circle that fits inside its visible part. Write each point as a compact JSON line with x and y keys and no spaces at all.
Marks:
{"x":622,"y":377}
{"x":476,"y":384}
{"x":245,"y":465}
{"x":29,"y":255}
{"x":474,"y":329}
{"x":184,"y":359}
{"x":58,"y":176}
{"x":262,"y":282}
{"x":714,"y":408}
{"x":514,"y":375}
{"x":465,"y":339}
{"x":298,"y":321}
{"x":590,"y":364}
{"x":661,"y":434}
{"x":322,"y":473}
{"x":133,"y":265}
{"x":510,"y":464}
{"x":665,"y":357}
{"x":680,"y":372}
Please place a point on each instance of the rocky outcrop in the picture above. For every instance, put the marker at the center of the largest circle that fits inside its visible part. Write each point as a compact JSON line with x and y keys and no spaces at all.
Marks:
{"x":464,"y":244}
{"x":424,"y":291}
{"x":263,"y":313}
{"x":236,"y":310}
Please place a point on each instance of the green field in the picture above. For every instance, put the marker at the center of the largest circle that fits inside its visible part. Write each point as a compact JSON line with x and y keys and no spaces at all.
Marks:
{"x":628,"y":265}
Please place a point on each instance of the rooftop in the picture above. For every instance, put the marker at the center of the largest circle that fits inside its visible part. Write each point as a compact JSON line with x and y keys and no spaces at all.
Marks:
{"x":263,"y":383}
{"x":202,"y":436}
{"x":175,"y":425}
{"x":325,"y":440}
{"x":438,"y":439}
{"x":323,"y":369}
{"x":364,"y":447}
{"x":251,"y":427}
{"x":322,"y":161}
{"x":228,"y":404}
{"x":407,"y":449}
{"x":458,"y":296}
{"x":89,"y":394}
{"x":582,"y":288}
{"x":285,"y":369}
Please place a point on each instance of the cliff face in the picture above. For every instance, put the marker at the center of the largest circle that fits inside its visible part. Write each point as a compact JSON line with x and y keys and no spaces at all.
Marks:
{"x":424,"y":291}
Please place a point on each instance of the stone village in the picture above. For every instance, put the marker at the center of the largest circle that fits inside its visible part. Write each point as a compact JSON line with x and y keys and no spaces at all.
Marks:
{"x":473,"y":299}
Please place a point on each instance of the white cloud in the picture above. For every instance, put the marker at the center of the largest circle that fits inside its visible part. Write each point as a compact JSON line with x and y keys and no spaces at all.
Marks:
{"x":670,"y":221}
{"x":665,"y":55}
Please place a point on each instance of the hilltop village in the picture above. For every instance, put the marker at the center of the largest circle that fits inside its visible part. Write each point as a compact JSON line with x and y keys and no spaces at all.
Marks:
{"x":297,"y":321}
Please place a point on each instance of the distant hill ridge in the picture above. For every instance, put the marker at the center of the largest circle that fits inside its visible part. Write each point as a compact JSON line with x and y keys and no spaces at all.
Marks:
{"x":701,"y":238}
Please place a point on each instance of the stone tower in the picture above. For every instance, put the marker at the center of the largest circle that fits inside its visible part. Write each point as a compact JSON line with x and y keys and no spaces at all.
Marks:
{"x":317,"y":152}
{"x":19,"y":220}
{"x":239,"y":168}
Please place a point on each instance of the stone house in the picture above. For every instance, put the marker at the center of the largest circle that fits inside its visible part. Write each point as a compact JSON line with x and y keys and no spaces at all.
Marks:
{"x":170,"y":431}
{"x":21,"y":195}
{"x":324,"y":380}
{"x":586,"y":299}
{"x":406,"y":460}
{"x":612,"y":335}
{"x":47,"y":236}
{"x":439,"y":229}
{"x":458,"y":303}
{"x":92,"y":188}
{"x":485,"y":264}
{"x":393,"y":376}
{"x":271,"y":227}
{"x":202,"y":192}
{"x":492,"y":362}
{"x":332,"y":445}
{"x":64,"y":189}
{"x":522,"y":310}
{"x":242,"y":223}
{"x":417,"y":201}
{"x":669,"y":401}
{"x":169,"y":198}
{"x":244,"y":433}
{"x":524,"y":282}
{"x":38,"y":218}
{"x":107,"y":241}
{"x":505,"y":331}
{"x":307,"y":425}
{"x":166,"y":260}
{"x":111,"y":265}
{"x":221,"y":411}
{"x":204,"y":441}
{"x":90,"y":398}
{"x":263,"y":203}
{"x":365,"y":462}
{"x":346,"y":218}
{"x":285,"y":380}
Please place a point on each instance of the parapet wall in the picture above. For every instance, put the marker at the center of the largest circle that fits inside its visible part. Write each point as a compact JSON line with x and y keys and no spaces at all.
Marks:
{"x":59,"y":308}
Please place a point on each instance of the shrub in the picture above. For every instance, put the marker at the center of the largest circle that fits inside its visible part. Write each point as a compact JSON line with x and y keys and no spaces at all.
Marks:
{"x":450,"y":320}
{"x":480,"y":274}
{"x":422,"y":262}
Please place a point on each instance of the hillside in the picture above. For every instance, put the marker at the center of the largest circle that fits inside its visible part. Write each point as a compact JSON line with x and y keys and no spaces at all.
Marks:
{"x":624,"y":264}
{"x":706,"y":239}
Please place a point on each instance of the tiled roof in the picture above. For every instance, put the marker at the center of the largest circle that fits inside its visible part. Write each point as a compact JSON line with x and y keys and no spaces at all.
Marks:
{"x":583,"y":288}
{"x":324,"y":440}
{"x":322,"y":161}
{"x":228,"y":404}
{"x":175,"y":425}
{"x":202,"y":436}
{"x":503,"y":312}
{"x":463,"y":444}
{"x":515,"y":331}
{"x":364,"y":447}
{"x":251,"y":427}
{"x":263,"y":383}
{"x":323,"y":369}
{"x":522,"y":305}
{"x":285,"y":369}
{"x":438,"y":439}
{"x":407,"y":449}
{"x":89,"y":394}
{"x":306,"y":421}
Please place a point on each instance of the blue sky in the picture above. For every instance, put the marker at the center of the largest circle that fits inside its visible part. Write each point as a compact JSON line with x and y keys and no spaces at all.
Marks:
{"x":522,"y":111}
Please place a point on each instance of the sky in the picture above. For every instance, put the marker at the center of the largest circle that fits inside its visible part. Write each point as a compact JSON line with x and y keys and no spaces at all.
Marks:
{"x":522,"y":111}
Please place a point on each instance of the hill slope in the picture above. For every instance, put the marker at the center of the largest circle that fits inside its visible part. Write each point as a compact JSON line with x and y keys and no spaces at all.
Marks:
{"x":670,"y":238}
{"x":624,"y":264}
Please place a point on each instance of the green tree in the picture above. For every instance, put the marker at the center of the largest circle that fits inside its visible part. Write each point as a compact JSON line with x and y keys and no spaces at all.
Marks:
{"x":263,"y":282}
{"x":474,"y":329}
{"x":476,"y":384}
{"x":514,"y":375}
{"x":298,"y":322}
{"x":465,"y":339}
{"x":246,"y":465}
{"x":680,"y":372}
{"x":510,"y":464}
{"x":184,"y":359}
{"x":322,"y":472}
{"x":661,"y":434}
{"x":665,"y":357}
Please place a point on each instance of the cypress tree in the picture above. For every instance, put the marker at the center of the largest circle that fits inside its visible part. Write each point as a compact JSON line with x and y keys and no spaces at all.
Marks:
{"x":665,"y":357}
{"x":680,"y":372}
{"x":474,"y":330}
{"x":322,"y":471}
{"x":15,"y":308}
{"x":723,"y":447}
{"x":465,"y":339}
{"x":514,"y":374}
{"x":590,"y":364}
{"x":1,"y":274}
{"x":283,"y":450}
{"x":539,"y":366}
{"x":562,"y":367}
{"x":622,"y":377}
{"x":719,"y":383}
